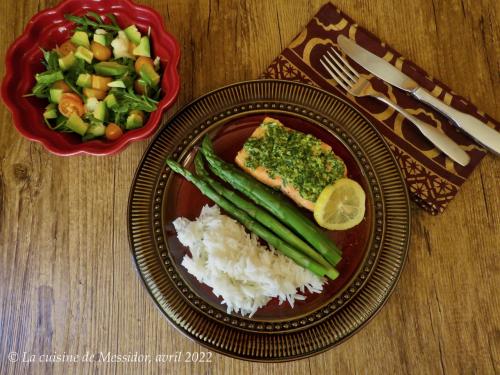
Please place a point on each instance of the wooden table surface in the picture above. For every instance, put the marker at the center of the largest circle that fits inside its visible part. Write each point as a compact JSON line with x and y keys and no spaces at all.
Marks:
{"x":67,"y":282}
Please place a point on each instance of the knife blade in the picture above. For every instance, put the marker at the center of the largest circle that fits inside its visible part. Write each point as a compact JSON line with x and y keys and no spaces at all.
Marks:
{"x":382,"y":69}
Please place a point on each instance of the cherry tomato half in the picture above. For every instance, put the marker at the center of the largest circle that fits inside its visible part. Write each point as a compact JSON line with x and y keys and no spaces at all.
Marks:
{"x":100,"y":82}
{"x":113,"y":132}
{"x":94,"y":93}
{"x":70,"y":103}
{"x":101,"y":53}
{"x":141,"y":60}
{"x":140,"y":87}
{"x":61,"y":85}
{"x":66,"y":48}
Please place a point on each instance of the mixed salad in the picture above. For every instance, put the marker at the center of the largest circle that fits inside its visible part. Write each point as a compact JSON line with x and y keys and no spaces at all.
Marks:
{"x":101,"y":82}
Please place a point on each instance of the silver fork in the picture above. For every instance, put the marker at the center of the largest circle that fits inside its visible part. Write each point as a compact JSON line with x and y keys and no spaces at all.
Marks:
{"x":350,"y":80}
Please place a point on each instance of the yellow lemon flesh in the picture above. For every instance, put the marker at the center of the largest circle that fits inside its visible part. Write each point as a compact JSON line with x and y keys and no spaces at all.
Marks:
{"x":341,"y":205}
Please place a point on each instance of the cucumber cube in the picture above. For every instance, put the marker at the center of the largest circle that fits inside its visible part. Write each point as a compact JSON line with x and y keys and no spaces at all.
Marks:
{"x":133,"y":34}
{"x":76,"y":124}
{"x":100,"y":111}
{"x":80,"y":38}
{"x":84,"y":80}
{"x":143,"y":49}
{"x":67,"y":61}
{"x":84,"y":54}
{"x":101,"y":39}
{"x":55,"y":95}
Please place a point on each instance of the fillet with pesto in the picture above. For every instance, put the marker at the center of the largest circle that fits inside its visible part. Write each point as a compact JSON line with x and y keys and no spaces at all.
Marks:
{"x":298,"y":164}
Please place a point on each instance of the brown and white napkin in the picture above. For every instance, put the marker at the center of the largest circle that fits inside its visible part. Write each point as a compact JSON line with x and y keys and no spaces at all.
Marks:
{"x":433,"y":179}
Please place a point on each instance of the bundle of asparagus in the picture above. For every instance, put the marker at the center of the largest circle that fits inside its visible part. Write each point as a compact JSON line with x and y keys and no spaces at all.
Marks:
{"x":319,"y":255}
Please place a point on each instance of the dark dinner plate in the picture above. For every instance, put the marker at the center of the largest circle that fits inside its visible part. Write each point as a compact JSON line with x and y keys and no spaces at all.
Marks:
{"x":373,"y":252}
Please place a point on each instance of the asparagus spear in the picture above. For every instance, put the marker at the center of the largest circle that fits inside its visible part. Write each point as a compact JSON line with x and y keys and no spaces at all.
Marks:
{"x":273,"y":202}
{"x":257,"y":213}
{"x":253,"y":226}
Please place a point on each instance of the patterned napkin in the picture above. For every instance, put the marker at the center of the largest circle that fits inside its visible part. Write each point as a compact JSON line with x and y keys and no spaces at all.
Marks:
{"x":432,"y":178}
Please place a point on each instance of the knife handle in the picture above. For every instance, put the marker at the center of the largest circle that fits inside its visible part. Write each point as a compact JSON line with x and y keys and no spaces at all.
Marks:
{"x":438,"y":139}
{"x":476,"y":129}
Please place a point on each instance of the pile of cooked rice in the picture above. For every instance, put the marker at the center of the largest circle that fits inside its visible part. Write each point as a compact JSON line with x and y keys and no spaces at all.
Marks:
{"x":246,"y":274}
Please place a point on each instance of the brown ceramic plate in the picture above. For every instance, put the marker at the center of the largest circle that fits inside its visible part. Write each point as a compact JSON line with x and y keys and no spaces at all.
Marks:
{"x":374,"y":252}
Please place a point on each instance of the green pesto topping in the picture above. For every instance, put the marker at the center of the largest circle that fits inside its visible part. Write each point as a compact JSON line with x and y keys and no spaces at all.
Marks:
{"x":296,"y":157}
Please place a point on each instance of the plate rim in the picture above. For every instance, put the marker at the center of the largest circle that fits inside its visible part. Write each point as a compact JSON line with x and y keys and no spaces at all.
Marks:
{"x":388,"y":291}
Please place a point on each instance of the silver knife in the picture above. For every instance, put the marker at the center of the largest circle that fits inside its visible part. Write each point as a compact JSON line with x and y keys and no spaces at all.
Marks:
{"x":479,"y":131}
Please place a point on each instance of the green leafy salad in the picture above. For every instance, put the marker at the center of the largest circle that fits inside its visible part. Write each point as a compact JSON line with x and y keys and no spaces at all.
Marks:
{"x":101,"y":82}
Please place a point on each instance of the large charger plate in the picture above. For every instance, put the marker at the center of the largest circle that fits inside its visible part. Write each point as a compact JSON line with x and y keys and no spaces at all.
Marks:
{"x":374,"y":252}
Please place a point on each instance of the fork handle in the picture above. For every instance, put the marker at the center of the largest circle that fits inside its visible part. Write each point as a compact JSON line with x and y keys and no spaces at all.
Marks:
{"x":476,"y":129}
{"x":439,"y":139}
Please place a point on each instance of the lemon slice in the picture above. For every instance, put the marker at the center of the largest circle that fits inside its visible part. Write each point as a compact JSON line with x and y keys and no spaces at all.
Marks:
{"x":341,"y":205}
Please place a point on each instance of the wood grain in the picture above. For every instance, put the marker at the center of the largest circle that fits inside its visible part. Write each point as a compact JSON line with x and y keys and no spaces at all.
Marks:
{"x":68,"y":285}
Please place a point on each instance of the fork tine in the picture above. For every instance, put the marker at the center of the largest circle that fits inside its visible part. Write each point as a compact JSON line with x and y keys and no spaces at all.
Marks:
{"x":334,"y":75}
{"x":340,"y":77}
{"x":346,"y":63}
{"x":341,"y":64}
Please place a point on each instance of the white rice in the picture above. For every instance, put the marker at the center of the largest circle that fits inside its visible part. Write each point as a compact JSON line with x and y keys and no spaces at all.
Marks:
{"x":243,"y":272}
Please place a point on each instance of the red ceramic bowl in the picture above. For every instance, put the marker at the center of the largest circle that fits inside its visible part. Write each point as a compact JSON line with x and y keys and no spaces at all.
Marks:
{"x":49,"y":28}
